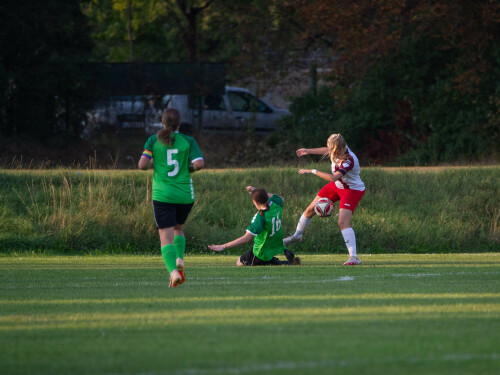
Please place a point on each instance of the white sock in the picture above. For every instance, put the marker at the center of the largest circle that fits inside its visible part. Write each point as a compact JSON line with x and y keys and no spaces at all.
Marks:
{"x":350,"y":241}
{"x":302,"y":225}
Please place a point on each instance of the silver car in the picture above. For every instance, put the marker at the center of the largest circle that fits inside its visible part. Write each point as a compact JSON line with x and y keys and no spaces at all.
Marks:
{"x":236,"y":111}
{"x":120,"y":113}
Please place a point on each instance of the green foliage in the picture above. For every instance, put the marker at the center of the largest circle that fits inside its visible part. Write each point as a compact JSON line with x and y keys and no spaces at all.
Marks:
{"x":400,"y":314}
{"x":40,"y":42}
{"x":403,"y":210}
{"x":407,"y":109}
{"x":311,"y":120}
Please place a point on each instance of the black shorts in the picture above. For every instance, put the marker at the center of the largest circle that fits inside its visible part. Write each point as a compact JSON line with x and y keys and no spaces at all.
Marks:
{"x":249,"y":259}
{"x":168,"y":215}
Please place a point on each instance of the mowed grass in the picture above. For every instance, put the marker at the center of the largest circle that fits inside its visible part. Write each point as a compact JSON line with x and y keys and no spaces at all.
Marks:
{"x":397,"y":313}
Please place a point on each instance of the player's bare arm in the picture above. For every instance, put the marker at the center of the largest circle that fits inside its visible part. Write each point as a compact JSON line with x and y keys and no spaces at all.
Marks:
{"x":145,"y":163}
{"x":198,"y":164}
{"x":325,"y":176}
{"x":237,"y":242}
{"x":312,"y":151}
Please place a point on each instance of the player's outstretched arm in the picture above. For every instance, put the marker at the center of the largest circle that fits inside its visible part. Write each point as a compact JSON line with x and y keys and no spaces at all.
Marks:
{"x":323,"y":175}
{"x":312,"y":151}
{"x":237,"y":242}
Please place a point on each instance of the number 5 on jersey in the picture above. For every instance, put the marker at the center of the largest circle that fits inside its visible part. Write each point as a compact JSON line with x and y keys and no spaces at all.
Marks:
{"x":171,"y":161}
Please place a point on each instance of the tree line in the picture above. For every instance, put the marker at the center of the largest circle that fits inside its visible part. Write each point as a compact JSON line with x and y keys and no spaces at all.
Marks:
{"x":408,"y":79}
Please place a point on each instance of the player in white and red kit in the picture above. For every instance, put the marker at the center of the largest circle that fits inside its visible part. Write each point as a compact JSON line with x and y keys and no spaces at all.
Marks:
{"x":344,"y":185}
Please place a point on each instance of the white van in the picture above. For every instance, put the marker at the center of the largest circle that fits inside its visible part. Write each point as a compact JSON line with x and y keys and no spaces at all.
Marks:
{"x":236,"y":111}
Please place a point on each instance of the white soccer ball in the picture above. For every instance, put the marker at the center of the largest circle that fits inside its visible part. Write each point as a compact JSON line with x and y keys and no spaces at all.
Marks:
{"x":324,"y":207}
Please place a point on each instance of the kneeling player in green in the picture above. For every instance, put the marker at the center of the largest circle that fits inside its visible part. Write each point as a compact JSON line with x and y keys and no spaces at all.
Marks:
{"x":265,"y":227}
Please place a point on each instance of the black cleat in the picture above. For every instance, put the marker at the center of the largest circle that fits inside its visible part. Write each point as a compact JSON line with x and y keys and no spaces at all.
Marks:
{"x":291,"y":258}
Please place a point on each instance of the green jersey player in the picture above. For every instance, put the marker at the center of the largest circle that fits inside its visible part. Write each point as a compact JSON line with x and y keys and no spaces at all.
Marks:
{"x":265,"y":228}
{"x":173,"y":191}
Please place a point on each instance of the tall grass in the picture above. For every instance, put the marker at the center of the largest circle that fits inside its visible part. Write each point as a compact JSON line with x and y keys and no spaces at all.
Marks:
{"x":416,"y":210}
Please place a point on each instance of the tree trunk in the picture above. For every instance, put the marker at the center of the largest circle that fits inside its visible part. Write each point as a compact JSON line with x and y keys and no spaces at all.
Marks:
{"x":129,"y":31}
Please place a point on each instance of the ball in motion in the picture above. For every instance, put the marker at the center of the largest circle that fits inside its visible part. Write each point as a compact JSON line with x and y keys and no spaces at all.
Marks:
{"x":323,"y":207}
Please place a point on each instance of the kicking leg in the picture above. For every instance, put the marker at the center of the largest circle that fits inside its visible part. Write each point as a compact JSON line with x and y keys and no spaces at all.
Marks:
{"x":304,"y":222}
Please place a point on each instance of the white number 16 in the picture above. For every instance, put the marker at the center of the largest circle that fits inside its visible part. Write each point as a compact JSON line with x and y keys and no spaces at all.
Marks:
{"x":276,"y":224}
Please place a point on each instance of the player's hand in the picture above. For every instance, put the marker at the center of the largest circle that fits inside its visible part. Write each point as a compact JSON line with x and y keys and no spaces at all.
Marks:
{"x":250,"y":189}
{"x":304,"y":171}
{"x":216,"y":247}
{"x":302,"y":152}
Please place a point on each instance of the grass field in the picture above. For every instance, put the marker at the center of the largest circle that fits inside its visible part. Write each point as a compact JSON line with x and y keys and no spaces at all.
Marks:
{"x":397,"y":313}
{"x":404,"y":210}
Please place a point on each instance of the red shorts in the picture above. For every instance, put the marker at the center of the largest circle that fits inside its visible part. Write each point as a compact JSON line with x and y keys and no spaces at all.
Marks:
{"x":349,"y":199}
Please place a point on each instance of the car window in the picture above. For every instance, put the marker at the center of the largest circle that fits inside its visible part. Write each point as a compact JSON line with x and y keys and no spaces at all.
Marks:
{"x":213,"y":102}
{"x":244,"y":102}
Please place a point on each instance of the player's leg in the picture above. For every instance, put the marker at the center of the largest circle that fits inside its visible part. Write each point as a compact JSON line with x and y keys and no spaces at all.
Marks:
{"x":249,"y":259}
{"x":326,"y":191}
{"x":303,"y":223}
{"x":276,"y":262}
{"x":164,"y":215}
{"x":348,"y":202}
{"x":246,"y":259}
{"x":182,"y":213}
{"x":349,"y":236}
{"x":291,"y":258}
{"x":169,"y":255}
{"x":180,"y":248}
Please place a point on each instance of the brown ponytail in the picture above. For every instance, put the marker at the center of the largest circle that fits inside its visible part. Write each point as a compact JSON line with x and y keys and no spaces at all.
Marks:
{"x":260,"y":196}
{"x":171,"y":120}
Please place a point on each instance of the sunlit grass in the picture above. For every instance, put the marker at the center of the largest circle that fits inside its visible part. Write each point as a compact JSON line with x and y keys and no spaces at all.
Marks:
{"x":411,"y":314}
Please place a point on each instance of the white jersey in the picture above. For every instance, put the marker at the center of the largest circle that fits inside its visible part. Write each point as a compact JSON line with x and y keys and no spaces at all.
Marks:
{"x":350,"y":169}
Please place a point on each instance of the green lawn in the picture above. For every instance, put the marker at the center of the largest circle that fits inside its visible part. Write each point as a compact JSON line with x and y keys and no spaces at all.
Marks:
{"x":397,"y":313}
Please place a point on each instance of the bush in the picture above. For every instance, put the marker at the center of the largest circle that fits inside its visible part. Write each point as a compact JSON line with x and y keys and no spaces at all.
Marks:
{"x":406,"y":110}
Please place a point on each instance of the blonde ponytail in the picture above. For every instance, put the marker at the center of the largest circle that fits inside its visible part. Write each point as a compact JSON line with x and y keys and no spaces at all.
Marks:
{"x":336,"y":148}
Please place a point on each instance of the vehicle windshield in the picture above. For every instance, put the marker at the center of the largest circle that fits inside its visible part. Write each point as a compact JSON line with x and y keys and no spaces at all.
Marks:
{"x":244,"y":102}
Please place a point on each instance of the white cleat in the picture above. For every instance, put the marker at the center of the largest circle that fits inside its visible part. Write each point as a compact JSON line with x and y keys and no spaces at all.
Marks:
{"x":352,"y":261}
{"x":291,"y":239}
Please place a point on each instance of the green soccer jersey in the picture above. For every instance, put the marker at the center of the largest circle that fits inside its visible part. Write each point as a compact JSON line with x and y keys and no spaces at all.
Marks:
{"x":268,"y":240}
{"x":172,"y":182}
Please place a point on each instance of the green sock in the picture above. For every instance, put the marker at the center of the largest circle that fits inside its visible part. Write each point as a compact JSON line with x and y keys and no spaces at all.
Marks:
{"x":180,"y":245}
{"x":169,"y":256}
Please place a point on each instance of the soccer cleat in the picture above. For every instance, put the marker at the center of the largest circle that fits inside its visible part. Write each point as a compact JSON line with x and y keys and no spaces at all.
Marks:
{"x":290,"y":239}
{"x":175,"y":279}
{"x":180,"y":268}
{"x":352,"y":261}
{"x":291,"y":258}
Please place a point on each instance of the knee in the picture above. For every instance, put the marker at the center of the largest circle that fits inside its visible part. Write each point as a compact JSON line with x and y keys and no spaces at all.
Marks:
{"x":344,"y":224}
{"x":238,"y":263}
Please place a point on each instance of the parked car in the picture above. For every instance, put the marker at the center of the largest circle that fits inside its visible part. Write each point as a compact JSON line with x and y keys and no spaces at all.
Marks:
{"x":119,"y":112}
{"x":235,"y":111}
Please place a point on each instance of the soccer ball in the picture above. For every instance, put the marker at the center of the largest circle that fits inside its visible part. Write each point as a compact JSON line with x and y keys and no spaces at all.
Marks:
{"x":323,"y":207}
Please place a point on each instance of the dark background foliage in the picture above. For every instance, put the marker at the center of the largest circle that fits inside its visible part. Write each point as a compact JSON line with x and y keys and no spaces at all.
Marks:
{"x":406,"y":82}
